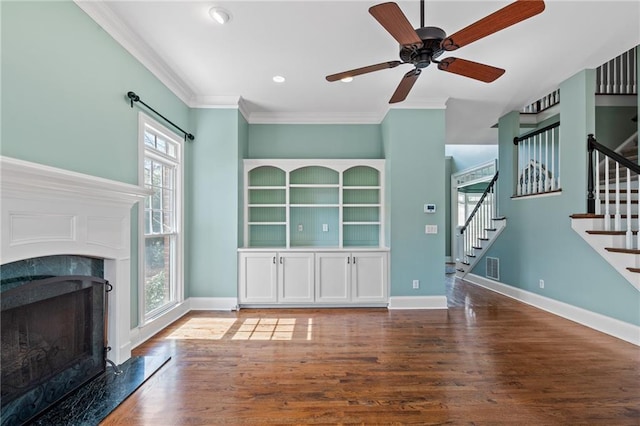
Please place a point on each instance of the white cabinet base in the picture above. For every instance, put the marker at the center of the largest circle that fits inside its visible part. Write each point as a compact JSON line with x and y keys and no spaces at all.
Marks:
{"x":309,"y":278}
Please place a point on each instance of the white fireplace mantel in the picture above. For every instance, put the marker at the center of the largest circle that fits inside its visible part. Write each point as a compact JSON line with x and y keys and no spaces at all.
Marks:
{"x":49,"y":211}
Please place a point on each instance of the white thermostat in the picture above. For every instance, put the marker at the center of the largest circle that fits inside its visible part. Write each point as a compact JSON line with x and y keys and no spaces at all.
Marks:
{"x":429,"y":208}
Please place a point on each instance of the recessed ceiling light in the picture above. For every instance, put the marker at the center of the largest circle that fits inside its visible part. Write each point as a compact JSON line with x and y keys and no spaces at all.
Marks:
{"x":220,"y":15}
{"x":346,"y":79}
{"x":278,"y":79}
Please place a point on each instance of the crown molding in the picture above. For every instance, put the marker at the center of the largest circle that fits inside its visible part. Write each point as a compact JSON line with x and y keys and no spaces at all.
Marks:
{"x":102,"y":14}
{"x":315,"y":118}
{"x":221,"y":102}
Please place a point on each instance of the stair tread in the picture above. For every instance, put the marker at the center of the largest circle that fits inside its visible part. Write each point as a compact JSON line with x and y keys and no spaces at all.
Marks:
{"x":490,"y":229}
{"x":622,"y":250}
{"x":622,"y":191}
{"x":596,"y":216}
{"x":596,"y":232}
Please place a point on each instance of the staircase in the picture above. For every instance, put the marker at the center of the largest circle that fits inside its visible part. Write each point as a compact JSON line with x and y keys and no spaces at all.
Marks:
{"x":479,"y":231}
{"x":612,"y":227}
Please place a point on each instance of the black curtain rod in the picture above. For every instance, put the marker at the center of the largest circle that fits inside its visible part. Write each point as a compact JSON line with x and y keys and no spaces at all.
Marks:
{"x":135,"y":98}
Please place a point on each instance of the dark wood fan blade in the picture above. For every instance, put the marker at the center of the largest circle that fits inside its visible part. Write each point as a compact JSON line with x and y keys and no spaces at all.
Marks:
{"x":470,"y":69}
{"x":363,"y":70}
{"x":396,"y":23}
{"x":405,"y":86}
{"x":499,"y":20}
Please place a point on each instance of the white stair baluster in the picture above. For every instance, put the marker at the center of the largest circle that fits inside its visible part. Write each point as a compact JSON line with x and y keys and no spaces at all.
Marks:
{"x":597,"y":189}
{"x":557,"y":129}
{"x":607,"y":215}
{"x":553,"y":163}
{"x":528,"y":167}
{"x":547,"y":184}
{"x":518,"y":183}
{"x":616,"y":219}
{"x":539,"y":180}
{"x":628,"y":240}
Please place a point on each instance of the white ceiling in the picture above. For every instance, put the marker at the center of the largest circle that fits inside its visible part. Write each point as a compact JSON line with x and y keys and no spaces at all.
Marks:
{"x":207,"y":64}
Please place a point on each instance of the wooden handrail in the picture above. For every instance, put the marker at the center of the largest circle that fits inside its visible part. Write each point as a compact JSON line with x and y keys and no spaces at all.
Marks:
{"x":479,"y":203}
{"x":518,"y":139}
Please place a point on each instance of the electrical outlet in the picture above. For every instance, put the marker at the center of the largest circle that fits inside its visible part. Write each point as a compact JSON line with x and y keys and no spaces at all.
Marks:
{"x":541,"y":283}
{"x":416,"y":283}
{"x":325,"y":227}
{"x":300,"y":227}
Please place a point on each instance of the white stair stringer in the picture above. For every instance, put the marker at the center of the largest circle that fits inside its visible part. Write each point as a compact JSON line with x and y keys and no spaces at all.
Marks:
{"x":463,"y":268}
{"x":619,"y":261}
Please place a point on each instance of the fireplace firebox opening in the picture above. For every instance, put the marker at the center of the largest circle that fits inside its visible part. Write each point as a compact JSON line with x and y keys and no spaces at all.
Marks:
{"x":53,"y":341}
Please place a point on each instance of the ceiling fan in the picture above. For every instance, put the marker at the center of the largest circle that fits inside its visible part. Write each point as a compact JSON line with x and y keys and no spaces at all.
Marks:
{"x":420,"y":47}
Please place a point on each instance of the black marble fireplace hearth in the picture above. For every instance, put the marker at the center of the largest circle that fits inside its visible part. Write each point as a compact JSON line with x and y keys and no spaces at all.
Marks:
{"x":90,"y":404}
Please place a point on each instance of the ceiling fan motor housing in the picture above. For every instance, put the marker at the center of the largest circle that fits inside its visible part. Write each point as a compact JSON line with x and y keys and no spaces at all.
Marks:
{"x":421,"y":57}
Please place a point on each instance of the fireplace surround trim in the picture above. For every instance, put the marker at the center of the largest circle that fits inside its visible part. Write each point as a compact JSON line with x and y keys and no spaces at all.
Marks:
{"x":50,"y":211}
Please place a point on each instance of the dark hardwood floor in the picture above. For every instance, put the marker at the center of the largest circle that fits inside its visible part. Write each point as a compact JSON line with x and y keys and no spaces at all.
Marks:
{"x":486,"y":360}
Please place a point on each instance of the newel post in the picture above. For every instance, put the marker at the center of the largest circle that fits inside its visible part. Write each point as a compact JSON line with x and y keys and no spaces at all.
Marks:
{"x":591,"y":201}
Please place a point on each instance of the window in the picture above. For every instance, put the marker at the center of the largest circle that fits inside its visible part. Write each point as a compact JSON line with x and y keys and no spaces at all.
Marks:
{"x":160,"y":218}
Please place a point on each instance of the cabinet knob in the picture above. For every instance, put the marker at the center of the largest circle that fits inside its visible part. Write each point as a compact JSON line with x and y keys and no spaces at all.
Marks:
{"x":354,"y":260}
{"x":348,"y":259}
{"x":281,"y":261}
{"x":274,"y":260}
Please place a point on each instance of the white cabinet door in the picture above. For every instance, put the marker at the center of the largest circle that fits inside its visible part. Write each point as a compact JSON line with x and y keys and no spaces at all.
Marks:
{"x":295,"y":277}
{"x":257,"y":278}
{"x":369,"y":277}
{"x":332,"y":277}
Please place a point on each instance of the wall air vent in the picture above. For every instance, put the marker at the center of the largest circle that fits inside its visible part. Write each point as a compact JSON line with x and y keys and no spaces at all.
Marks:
{"x":493,"y":268}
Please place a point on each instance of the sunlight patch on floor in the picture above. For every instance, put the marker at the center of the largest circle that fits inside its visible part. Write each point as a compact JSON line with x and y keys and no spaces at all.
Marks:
{"x":203,"y":328}
{"x":266,"y":329}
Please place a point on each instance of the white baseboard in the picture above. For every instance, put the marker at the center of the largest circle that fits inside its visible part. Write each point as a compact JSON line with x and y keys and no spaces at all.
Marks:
{"x":418,"y":302}
{"x":611,"y":326}
{"x":213,"y":303}
{"x":141,"y":334}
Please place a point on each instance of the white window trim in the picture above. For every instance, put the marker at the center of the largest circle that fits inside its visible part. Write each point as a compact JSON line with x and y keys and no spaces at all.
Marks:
{"x":145,"y":120}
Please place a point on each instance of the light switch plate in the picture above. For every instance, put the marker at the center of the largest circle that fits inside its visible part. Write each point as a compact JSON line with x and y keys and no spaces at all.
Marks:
{"x":431,"y":229}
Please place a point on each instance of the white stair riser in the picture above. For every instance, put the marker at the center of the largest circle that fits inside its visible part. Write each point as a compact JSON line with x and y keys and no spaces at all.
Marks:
{"x":620,"y":261}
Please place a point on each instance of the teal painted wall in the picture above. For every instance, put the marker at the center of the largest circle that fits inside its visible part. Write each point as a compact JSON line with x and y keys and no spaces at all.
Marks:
{"x":538,"y":242}
{"x":315,"y":141}
{"x":416,"y":175}
{"x":614,"y":124}
{"x":243,"y":152}
{"x":448,"y":164}
{"x":64,"y":83}
{"x":214,"y":204}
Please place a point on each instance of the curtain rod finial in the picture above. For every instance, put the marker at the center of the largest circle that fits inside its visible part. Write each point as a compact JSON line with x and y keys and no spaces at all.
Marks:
{"x":133,"y":98}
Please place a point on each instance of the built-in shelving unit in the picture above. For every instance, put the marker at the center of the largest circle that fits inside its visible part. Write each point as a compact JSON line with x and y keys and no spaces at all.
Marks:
{"x":314,"y":234}
{"x":314,"y":203}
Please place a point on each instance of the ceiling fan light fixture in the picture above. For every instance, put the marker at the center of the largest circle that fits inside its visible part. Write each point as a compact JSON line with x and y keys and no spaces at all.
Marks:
{"x":346,"y":79}
{"x":219,"y":15}
{"x":278,"y":79}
